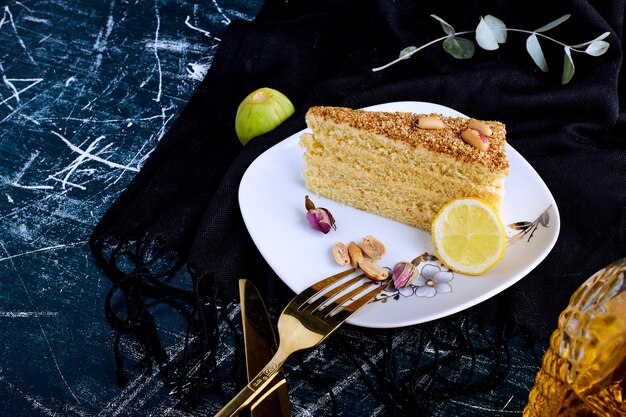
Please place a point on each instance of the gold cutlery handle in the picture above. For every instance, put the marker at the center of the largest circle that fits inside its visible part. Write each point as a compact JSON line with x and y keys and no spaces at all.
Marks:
{"x":238,"y":403}
{"x":304,"y":324}
{"x":255,"y":387}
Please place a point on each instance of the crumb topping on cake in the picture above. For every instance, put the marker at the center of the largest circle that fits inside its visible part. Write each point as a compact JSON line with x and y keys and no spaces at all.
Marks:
{"x":402,"y":126}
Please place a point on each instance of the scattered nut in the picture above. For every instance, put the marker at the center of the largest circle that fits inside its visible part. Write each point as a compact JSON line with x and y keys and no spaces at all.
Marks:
{"x":340,"y":253}
{"x":355,"y":253}
{"x":363,"y":257}
{"x":429,"y":122}
{"x":373,"y":270}
{"x":480,"y":127}
{"x":476,"y":139}
{"x":373,"y":247}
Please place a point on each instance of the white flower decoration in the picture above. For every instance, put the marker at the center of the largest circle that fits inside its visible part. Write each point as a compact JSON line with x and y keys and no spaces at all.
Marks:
{"x":432,"y":280}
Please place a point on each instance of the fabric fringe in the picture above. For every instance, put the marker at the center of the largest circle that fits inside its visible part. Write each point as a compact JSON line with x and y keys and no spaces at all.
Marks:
{"x":140,"y":288}
{"x":141,"y":285}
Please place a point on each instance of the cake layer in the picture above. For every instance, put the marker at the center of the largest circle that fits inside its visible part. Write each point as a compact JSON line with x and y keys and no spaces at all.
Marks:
{"x":415,"y":204}
{"x":400,"y":165}
{"x":385,"y":163}
{"x":329,"y":175}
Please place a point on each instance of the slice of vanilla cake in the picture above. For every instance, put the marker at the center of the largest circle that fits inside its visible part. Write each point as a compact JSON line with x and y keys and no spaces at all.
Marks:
{"x":403,"y":166}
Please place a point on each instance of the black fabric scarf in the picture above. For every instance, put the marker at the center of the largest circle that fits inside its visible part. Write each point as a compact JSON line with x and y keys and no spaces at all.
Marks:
{"x":175,"y":236}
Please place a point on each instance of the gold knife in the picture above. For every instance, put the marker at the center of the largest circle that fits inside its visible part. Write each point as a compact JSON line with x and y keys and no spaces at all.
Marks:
{"x":260,"y":345}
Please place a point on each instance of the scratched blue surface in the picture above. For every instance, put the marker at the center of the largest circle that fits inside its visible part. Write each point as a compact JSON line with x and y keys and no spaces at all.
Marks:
{"x":87,"y":90}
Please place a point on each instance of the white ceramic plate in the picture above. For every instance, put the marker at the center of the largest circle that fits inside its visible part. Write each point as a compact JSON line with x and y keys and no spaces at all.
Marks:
{"x":271,"y":198}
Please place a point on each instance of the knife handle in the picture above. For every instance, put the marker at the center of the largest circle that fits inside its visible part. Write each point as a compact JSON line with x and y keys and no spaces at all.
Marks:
{"x":255,"y":387}
{"x":237,"y":404}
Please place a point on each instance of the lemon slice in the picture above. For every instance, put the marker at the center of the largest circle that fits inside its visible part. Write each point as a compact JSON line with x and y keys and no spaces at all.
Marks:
{"x":468,"y":236}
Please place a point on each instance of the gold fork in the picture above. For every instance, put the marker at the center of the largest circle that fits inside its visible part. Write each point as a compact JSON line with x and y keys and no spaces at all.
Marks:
{"x":306,"y":322}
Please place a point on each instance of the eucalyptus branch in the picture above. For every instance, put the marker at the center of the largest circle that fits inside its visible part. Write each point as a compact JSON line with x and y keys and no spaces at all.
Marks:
{"x":491,"y":32}
{"x":406,"y":53}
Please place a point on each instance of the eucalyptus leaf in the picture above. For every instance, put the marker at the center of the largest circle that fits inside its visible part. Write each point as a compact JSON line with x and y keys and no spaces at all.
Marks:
{"x":498,"y":27}
{"x":447,"y":28}
{"x":553,"y":24}
{"x":536,"y":53}
{"x":459,"y":48}
{"x":603,"y":36}
{"x":599,"y":38}
{"x":485,"y":37}
{"x":568,"y":66}
{"x":597,"y":48}
{"x":490,"y":32}
{"x":407,"y":52}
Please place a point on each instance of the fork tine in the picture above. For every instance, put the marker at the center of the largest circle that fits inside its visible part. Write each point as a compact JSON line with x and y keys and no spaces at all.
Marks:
{"x":332,"y":306}
{"x":310,"y":292}
{"x":325,"y":311}
{"x":343,"y":312}
{"x":332,"y":293}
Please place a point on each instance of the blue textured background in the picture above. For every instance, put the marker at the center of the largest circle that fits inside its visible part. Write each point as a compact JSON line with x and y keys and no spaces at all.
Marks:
{"x":87,"y":90}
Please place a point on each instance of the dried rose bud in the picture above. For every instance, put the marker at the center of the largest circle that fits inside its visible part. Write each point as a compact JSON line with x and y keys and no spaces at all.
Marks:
{"x":319,"y":218}
{"x":403,"y":274}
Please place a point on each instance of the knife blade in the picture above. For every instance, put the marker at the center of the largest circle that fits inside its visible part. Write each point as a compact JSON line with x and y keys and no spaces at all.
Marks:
{"x":260,"y":345}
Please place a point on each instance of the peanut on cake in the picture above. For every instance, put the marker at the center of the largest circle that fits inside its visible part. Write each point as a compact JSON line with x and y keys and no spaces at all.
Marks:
{"x":403,"y":166}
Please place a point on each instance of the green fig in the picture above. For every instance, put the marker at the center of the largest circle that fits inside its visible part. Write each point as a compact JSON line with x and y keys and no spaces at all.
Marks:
{"x":260,"y":112}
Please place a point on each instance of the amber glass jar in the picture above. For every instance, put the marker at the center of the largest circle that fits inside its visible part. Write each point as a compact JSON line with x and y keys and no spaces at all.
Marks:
{"x":583,"y":371}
